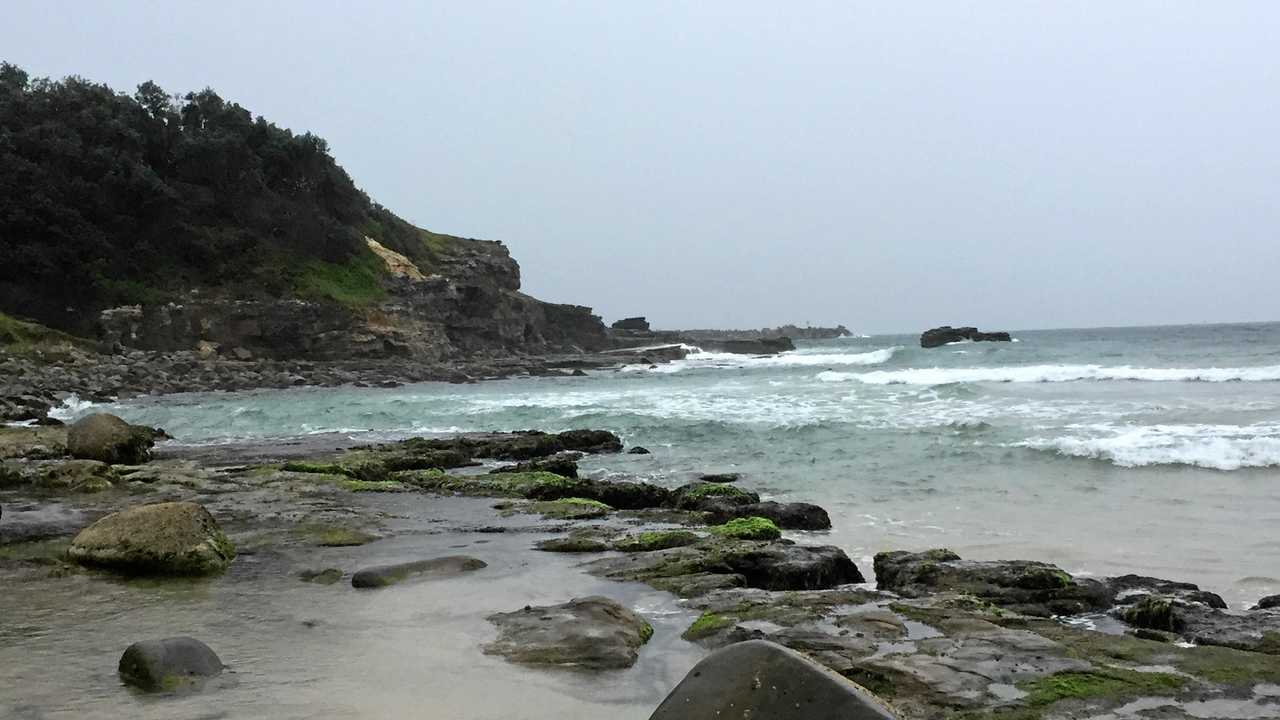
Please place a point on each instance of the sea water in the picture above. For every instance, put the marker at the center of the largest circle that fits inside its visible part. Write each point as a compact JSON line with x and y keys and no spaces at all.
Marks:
{"x":1151,"y":450}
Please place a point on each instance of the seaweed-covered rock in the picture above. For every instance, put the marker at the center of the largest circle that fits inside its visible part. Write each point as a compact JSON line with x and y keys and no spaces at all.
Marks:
{"x":571,"y":508}
{"x":748,"y":528}
{"x":109,"y":439}
{"x":656,"y":540}
{"x":573,"y":544}
{"x":526,"y":444}
{"x":789,"y":516}
{"x":710,"y":496}
{"x":772,"y":566}
{"x":592,"y":632}
{"x":760,"y":679}
{"x":434,"y":568}
{"x":1128,"y":589}
{"x":1029,"y":587}
{"x":170,"y":664}
{"x":563,"y":464}
{"x":87,"y":476}
{"x":1255,"y":631}
{"x":173,"y":538}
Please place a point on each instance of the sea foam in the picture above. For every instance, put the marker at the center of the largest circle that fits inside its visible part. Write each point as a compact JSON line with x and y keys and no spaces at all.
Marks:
{"x":699,"y":358}
{"x":1217,"y":447}
{"x":1052,"y":373}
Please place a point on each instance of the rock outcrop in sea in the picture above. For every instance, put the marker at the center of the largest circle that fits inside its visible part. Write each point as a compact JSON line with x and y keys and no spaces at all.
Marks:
{"x":940,"y":336}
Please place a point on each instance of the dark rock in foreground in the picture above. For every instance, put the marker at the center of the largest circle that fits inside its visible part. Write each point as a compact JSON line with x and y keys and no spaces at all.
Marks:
{"x":564,"y":464}
{"x":384,"y":575}
{"x":175,"y":538}
{"x":170,"y":664}
{"x":109,"y":439}
{"x":946,"y":334}
{"x":1268,"y":602}
{"x":1255,"y":631}
{"x":758,"y":679}
{"x":788,"y":516}
{"x":1032,"y":588}
{"x":592,"y":632}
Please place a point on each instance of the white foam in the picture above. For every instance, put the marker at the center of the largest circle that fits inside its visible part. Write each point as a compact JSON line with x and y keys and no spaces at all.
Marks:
{"x":1053,"y":373}
{"x":1217,"y":447}
{"x":72,"y":406}
{"x":699,"y":358}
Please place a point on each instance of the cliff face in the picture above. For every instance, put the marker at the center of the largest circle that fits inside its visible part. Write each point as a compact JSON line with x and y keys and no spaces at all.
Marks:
{"x":171,"y":224}
{"x":469,"y":305}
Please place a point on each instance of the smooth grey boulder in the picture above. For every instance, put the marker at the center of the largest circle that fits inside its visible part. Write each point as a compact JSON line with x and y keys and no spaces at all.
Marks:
{"x":758,"y":679}
{"x":593,"y":632}
{"x":109,"y":439}
{"x":384,"y":575}
{"x":172,"y":538}
{"x":174,"y":663}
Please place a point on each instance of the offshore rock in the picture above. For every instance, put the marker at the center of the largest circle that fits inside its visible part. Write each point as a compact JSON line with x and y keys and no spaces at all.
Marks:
{"x":595,"y":633}
{"x":946,"y":334}
{"x":759,"y":679}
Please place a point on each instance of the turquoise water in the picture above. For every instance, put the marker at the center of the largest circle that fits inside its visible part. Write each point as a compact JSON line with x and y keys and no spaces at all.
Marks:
{"x":1153,"y":450}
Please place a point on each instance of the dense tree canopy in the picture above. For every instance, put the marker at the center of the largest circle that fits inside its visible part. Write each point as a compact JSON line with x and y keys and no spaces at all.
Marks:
{"x":109,"y":199}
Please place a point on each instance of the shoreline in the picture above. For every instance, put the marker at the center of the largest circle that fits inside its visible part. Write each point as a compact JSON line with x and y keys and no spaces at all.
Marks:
{"x":876,"y":635}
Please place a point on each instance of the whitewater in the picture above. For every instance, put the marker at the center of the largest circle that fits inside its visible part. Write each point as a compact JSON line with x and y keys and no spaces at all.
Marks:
{"x":1103,"y":450}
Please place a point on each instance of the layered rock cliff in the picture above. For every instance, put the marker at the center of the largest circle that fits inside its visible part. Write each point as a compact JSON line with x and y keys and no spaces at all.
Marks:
{"x":186,"y":223}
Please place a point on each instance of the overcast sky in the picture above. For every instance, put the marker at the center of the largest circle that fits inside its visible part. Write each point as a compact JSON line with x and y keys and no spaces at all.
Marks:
{"x":890,"y":166}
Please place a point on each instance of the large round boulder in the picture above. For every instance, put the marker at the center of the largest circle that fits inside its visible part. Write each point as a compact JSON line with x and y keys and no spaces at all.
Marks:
{"x":173,"y":538}
{"x":759,"y":679}
{"x":109,"y":439}
{"x":170,"y":664}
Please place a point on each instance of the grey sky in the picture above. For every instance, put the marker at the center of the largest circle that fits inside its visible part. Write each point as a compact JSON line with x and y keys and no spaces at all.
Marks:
{"x":890,"y":166}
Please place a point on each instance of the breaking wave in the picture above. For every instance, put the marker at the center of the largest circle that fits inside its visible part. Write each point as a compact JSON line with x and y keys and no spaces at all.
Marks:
{"x":699,"y":358}
{"x":1217,"y":447}
{"x":1053,"y":373}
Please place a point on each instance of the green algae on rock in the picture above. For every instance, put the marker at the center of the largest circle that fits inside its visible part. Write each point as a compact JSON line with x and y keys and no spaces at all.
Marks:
{"x":708,"y":623}
{"x":172,"y":538}
{"x":572,"y":508}
{"x":749,"y":528}
{"x":656,"y":540}
{"x":592,"y":632}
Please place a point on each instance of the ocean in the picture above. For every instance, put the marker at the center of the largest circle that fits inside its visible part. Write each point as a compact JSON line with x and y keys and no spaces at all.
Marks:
{"x":1153,"y":450}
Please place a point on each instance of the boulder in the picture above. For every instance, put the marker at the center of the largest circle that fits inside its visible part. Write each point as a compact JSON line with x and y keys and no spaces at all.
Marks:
{"x":173,"y":538}
{"x":595,"y":633}
{"x":170,"y":664}
{"x":720,"y":477}
{"x":788,"y":516}
{"x":109,"y":439}
{"x":758,"y":679}
{"x":639,"y":450}
{"x":1032,"y":588}
{"x":442,"y":567}
{"x":1268,"y":602}
{"x":940,"y":336}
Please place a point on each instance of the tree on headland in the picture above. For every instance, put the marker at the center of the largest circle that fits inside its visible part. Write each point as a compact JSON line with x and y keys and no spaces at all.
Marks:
{"x":110,"y":199}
